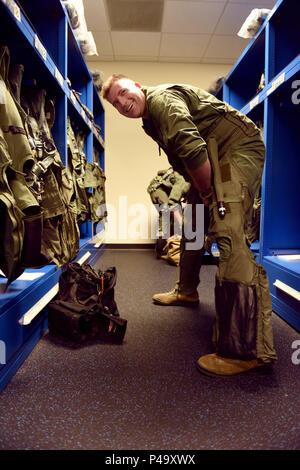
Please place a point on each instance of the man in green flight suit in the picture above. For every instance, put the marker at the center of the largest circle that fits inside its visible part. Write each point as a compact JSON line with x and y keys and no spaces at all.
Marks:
{"x":221,"y":152}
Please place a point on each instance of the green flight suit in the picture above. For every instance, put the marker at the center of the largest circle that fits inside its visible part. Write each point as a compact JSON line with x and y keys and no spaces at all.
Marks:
{"x":185,"y":121}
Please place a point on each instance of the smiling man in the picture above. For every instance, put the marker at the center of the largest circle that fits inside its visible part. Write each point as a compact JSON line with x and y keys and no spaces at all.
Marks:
{"x":128,"y":98}
{"x":221,"y":153}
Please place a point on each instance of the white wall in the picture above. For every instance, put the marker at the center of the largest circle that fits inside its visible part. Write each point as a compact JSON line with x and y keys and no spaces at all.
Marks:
{"x":131,"y":157}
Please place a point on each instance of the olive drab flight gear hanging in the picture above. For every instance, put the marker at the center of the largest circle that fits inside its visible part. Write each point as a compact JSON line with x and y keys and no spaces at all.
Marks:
{"x":88,"y":198}
{"x":21,"y":215}
{"x":98,"y":202}
{"x":168,"y":190}
{"x":32,"y":256}
{"x":242,"y":297}
{"x":80,"y":139}
{"x":11,"y":217}
{"x":172,"y":184}
{"x":33,"y":102}
{"x":50,"y":181}
{"x":95,"y":179}
{"x":15,"y":75}
{"x":93,"y":182}
{"x":76,"y":165}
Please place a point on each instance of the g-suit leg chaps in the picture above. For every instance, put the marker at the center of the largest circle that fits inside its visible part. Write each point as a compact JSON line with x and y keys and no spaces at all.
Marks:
{"x":242,"y":296}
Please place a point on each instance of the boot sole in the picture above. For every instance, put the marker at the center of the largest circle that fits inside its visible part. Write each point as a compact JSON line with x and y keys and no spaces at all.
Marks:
{"x":178,"y":303}
{"x":261,"y":368}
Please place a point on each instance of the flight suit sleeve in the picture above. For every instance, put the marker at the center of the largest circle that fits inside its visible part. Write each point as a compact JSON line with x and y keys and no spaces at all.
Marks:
{"x":181,"y":137}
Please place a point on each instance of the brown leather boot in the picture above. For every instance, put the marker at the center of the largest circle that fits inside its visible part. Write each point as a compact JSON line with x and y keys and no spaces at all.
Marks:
{"x":215,"y":365}
{"x":177,"y":298}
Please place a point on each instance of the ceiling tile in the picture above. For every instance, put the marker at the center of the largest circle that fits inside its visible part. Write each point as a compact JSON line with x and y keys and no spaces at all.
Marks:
{"x":135,"y":15}
{"x":95,"y":16}
{"x":191,"y":17}
{"x":225,"y":47}
{"x":135,"y":44}
{"x":183,"y":45}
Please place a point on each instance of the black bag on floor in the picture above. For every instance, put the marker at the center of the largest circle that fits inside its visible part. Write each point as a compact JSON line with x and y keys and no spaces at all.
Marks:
{"x":81,"y":323}
{"x":85,"y":308}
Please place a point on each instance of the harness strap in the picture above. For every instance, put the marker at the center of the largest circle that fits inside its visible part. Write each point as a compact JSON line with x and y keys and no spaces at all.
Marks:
{"x":14,"y":129}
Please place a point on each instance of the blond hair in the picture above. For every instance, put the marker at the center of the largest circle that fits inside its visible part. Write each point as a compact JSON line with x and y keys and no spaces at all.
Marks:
{"x":108,"y":83}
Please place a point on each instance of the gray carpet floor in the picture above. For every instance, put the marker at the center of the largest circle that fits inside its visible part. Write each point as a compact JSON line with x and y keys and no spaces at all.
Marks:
{"x":147,"y":393}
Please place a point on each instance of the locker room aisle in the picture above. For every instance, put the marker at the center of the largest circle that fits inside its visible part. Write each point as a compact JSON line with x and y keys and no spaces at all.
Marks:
{"x":147,"y":392}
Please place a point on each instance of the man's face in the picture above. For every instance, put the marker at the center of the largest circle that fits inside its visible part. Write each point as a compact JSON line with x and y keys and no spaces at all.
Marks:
{"x":128,"y":98}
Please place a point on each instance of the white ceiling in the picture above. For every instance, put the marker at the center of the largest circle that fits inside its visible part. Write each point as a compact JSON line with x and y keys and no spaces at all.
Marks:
{"x":199,"y":31}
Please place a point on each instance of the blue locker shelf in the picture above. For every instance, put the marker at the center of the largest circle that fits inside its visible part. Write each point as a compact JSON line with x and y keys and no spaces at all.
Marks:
{"x":284,"y":278}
